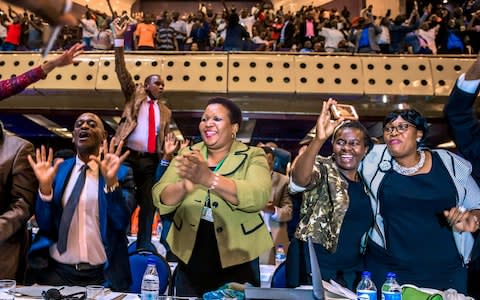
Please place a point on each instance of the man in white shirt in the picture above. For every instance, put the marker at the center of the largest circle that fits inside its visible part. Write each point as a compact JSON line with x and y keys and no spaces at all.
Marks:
{"x":145,"y":123}
{"x":83,"y":211}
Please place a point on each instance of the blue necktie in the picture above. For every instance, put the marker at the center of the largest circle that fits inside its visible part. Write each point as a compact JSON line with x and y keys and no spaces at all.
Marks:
{"x":69,"y":209}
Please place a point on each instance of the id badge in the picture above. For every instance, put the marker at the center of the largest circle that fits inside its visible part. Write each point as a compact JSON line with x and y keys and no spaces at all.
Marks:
{"x":207,"y":214}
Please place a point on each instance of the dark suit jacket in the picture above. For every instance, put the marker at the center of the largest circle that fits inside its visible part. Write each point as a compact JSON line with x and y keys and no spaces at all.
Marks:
{"x":289,"y":35}
{"x":114,"y":216}
{"x":465,"y":127}
{"x":18,"y":186}
{"x":134,"y":96}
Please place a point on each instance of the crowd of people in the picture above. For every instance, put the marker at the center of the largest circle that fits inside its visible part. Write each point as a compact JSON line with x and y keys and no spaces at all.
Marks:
{"x":425,"y":29}
{"x":380,"y":207}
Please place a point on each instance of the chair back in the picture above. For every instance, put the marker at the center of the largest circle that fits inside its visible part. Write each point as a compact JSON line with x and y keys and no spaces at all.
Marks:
{"x":279,"y":277}
{"x":132,"y":248}
{"x":138,"y":265}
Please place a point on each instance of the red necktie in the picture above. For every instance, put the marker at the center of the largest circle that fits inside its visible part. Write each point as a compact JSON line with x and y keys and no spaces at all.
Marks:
{"x":152,"y":137}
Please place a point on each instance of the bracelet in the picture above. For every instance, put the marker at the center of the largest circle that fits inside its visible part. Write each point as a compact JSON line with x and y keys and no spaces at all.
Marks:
{"x":214,"y":182}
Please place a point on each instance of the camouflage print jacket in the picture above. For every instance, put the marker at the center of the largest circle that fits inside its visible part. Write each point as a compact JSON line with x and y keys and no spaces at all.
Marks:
{"x":325,"y":202}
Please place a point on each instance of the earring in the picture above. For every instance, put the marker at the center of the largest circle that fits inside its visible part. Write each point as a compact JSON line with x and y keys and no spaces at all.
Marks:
{"x":234,"y":136}
{"x":418,"y":140}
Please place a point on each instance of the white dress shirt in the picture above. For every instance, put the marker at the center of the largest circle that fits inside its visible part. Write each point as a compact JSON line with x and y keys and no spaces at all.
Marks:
{"x":84,"y":243}
{"x":138,"y":139}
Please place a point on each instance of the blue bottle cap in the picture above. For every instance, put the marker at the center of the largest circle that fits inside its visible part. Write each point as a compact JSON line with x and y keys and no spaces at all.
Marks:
{"x":391,"y":275}
{"x":366,"y":274}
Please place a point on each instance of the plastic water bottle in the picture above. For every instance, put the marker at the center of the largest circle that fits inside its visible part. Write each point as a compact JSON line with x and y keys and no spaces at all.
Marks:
{"x":366,"y":289}
{"x":391,"y":290}
{"x":280,"y":255}
{"x":150,"y":282}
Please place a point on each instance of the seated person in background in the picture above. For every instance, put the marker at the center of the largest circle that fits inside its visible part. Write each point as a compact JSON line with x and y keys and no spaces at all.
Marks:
{"x":83,"y":211}
{"x":336,"y":210}
{"x":278,"y":210}
{"x":216,"y":189}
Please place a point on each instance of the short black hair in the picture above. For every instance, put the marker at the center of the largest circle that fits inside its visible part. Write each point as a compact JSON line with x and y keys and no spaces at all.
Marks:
{"x":411,"y":116}
{"x":149,"y":78}
{"x":367,"y":139}
{"x":234,"y":112}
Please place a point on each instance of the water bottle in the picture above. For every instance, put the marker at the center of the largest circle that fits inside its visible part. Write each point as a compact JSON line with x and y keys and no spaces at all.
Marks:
{"x":280,"y":255}
{"x":366,"y":289}
{"x":150,"y":282}
{"x":391,"y":290}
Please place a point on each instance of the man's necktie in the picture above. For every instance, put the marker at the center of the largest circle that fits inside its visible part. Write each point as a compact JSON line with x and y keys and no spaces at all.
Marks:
{"x":69,"y":209}
{"x":152,"y":136}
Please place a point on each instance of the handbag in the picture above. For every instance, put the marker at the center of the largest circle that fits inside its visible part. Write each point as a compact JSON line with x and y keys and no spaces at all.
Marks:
{"x":413,"y":293}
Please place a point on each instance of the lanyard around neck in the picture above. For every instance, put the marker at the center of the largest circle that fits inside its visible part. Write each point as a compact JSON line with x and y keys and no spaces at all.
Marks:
{"x":218,"y":165}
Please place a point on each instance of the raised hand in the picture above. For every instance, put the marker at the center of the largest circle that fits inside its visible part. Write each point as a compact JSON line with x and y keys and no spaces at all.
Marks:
{"x":119,"y":27}
{"x":65,"y":59}
{"x":68,"y":56}
{"x":110,"y":160}
{"x":170,"y":145}
{"x":44,"y":168}
{"x":325,"y":125}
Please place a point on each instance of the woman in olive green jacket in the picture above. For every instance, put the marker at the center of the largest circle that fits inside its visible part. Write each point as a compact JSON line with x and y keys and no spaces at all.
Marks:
{"x":216,"y":189}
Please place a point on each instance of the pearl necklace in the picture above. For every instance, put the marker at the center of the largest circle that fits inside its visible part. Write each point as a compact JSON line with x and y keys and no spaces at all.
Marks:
{"x":412,"y":170}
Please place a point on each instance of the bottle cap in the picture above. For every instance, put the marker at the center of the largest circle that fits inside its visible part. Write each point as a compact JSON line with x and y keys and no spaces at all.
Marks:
{"x":366,"y":274}
{"x":391,"y":275}
{"x":151,"y":261}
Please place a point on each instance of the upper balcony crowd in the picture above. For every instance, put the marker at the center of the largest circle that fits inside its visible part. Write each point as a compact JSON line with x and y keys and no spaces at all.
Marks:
{"x":426,"y":29}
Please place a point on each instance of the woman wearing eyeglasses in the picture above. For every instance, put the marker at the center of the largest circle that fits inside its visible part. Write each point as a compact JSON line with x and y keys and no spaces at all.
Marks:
{"x":425,"y":204}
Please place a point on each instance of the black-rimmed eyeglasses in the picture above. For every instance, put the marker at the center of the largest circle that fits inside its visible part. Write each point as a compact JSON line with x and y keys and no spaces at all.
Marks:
{"x":400,"y":128}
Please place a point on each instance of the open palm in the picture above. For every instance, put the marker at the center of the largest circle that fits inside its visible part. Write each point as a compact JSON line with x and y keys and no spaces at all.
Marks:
{"x":43,"y":166}
{"x":110,"y":160}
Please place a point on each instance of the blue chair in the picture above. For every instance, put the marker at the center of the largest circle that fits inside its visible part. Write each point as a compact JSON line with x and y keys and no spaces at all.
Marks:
{"x":138,"y":265}
{"x":279,"y":277}
{"x":133,"y":248}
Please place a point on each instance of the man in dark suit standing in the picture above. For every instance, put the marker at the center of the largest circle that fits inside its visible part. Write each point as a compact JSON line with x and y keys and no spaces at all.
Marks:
{"x":17,"y":195}
{"x":83,"y":211}
{"x":287,"y":34}
{"x":144,"y":125}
